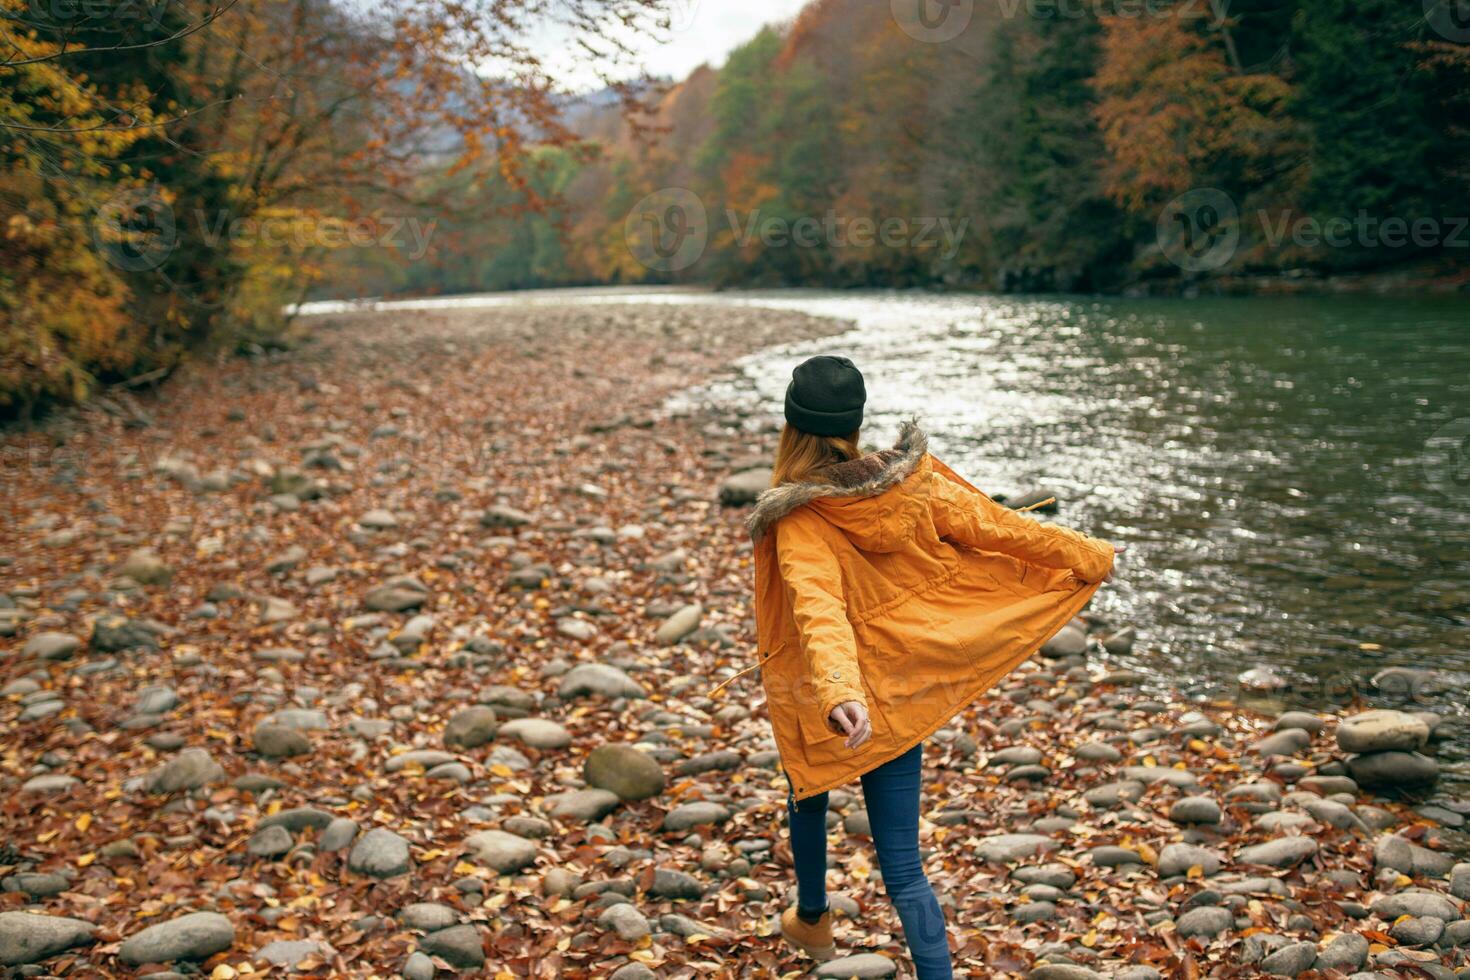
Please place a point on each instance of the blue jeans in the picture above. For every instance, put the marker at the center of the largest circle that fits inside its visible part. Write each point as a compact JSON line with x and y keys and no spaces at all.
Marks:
{"x":891,"y":793}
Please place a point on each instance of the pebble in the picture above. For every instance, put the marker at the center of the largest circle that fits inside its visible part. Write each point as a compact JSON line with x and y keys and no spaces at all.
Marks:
{"x":1285,"y":852}
{"x":288,"y":953}
{"x":428,"y":916}
{"x":1195,"y":810}
{"x":1348,"y":951}
{"x":418,"y":967}
{"x":1393,"y":768}
{"x":1382,"y":730}
{"x":1178,"y":859}
{"x":1004,"y":848}
{"x":625,"y":920}
{"x":625,"y":771}
{"x":28,"y":938}
{"x":280,"y":742}
{"x":585,"y":805}
{"x":470,"y":727}
{"x":505,"y":853}
{"x":192,"y":768}
{"x":380,"y":853}
{"x":196,"y":936}
{"x":686,"y":816}
{"x":603,"y":680}
{"x":338,"y":835}
{"x":1290,"y":959}
{"x":51,"y":646}
{"x":1207,"y":921}
{"x":864,"y":966}
{"x":539,"y":733}
{"x":459,"y":946}
{"x":679,"y":625}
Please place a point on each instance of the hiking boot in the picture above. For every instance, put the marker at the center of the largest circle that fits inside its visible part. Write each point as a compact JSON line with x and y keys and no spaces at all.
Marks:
{"x":814,"y":939}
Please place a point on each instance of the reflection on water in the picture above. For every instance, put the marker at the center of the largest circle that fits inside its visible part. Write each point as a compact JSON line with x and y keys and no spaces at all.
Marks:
{"x":1271,"y":462}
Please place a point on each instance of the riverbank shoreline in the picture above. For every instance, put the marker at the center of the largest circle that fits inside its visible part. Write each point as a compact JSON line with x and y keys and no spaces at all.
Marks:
{"x":391,"y":652}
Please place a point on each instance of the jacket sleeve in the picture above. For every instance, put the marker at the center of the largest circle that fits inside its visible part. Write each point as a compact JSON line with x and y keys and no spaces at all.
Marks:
{"x":969,"y":517}
{"x":814,"y":583}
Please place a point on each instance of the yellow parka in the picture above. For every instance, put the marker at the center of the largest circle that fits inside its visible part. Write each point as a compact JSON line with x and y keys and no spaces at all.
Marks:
{"x":899,"y":585}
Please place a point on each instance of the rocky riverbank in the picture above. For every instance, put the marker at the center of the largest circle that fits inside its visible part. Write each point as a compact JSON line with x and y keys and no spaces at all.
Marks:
{"x":389,"y":656}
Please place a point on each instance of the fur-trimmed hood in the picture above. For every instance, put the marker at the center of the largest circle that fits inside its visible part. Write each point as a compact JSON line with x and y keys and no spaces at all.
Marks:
{"x":866,"y":476}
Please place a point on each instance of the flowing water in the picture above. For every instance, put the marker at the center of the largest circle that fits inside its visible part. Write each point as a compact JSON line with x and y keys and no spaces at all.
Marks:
{"x":1291,"y":475}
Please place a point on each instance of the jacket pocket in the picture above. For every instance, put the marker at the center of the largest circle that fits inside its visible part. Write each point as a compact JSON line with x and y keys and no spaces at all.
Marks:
{"x":821,"y":744}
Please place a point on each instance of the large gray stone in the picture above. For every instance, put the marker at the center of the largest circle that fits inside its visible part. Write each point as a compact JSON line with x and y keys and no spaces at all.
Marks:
{"x":1346,"y":952}
{"x":600,"y":679}
{"x":582,"y":805}
{"x":190,"y":769}
{"x":687,"y":816}
{"x":506,"y":853}
{"x":471,"y":727}
{"x":28,"y":938}
{"x":279,"y":742}
{"x":1393,"y":769}
{"x":864,"y":966}
{"x":680,"y":624}
{"x":1382,"y":730}
{"x":539,"y":733}
{"x":380,"y":853}
{"x":1177,"y":859}
{"x":1003,"y":848}
{"x":629,"y":923}
{"x":1290,"y":960}
{"x":287,"y":953}
{"x":1417,"y":902}
{"x":1207,"y":921}
{"x":622,"y":769}
{"x":51,"y":646}
{"x":1284,"y":852}
{"x":459,"y":946}
{"x":744,"y":487}
{"x":196,"y":936}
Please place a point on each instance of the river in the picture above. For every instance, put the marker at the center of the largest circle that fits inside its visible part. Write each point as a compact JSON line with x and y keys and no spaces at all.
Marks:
{"x":1291,"y":475}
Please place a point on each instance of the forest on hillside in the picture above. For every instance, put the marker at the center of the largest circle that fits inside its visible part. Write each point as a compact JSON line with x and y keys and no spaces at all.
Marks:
{"x":1047,"y":146}
{"x":175,"y":175}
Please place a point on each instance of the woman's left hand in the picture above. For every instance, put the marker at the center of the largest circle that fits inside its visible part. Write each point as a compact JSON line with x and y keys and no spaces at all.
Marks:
{"x":1118,"y":550}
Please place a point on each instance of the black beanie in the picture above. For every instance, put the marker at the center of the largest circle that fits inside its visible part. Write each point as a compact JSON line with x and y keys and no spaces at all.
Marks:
{"x":825,"y":397}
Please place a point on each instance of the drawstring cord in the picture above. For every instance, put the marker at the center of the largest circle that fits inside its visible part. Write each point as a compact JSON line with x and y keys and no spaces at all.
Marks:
{"x":741,"y":673}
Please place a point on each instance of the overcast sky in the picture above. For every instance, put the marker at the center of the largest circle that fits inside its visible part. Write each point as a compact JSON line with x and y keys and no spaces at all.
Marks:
{"x":701,"y":31}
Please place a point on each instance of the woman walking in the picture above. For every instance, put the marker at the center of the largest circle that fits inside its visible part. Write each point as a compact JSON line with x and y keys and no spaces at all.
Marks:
{"x":889,"y":594}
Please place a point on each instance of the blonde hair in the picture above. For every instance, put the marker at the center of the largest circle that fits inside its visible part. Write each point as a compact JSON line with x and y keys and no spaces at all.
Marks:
{"x":800,"y":455}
